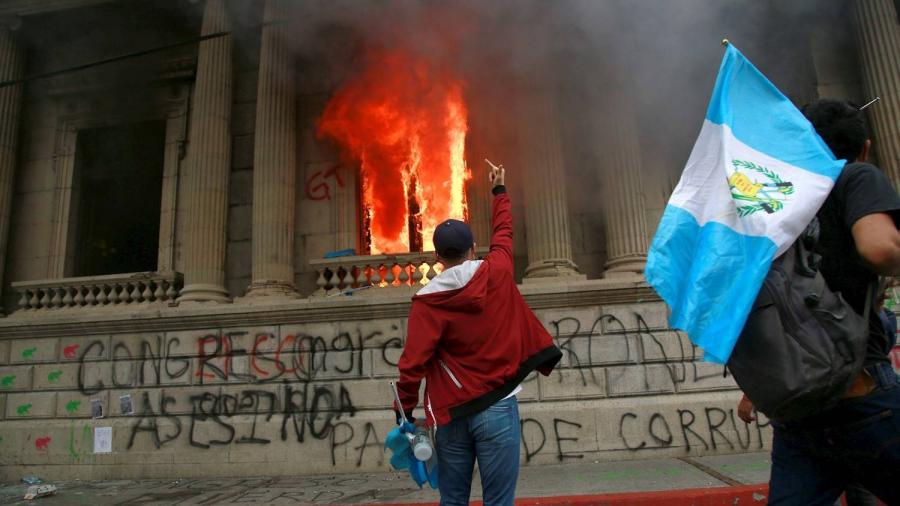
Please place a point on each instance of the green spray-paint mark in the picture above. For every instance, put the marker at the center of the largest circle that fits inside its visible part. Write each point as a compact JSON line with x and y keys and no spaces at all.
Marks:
{"x":87,"y":435}
{"x":53,"y":377}
{"x":23,"y":409}
{"x":28,"y":353}
{"x":7,"y":381}
{"x":72,"y":406}
{"x":72,"y":451}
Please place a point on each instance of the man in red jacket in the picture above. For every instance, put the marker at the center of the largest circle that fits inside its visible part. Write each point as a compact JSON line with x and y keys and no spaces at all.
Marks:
{"x":473,"y":339}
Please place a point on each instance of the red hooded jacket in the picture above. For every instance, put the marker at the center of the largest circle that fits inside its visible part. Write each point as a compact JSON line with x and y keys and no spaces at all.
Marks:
{"x":475,"y":343}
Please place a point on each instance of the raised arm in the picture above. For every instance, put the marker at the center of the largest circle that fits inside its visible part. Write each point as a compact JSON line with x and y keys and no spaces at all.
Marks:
{"x":502,"y":235}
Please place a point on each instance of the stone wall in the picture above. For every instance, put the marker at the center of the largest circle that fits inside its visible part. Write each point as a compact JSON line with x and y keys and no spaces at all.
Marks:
{"x":243,"y":129}
{"x":310,"y":395}
{"x":326,"y":218}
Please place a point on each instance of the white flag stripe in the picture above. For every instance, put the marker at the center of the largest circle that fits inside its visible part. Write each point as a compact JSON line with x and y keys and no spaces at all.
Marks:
{"x":709,"y":167}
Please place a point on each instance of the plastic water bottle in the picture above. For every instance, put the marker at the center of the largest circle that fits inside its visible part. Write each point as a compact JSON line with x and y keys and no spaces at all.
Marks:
{"x":421,"y":445}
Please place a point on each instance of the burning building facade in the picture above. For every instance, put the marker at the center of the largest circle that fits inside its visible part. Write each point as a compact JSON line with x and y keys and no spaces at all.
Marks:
{"x":210,"y":246}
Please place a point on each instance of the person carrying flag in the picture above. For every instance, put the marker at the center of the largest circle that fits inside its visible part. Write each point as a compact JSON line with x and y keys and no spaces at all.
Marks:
{"x":858,"y":441}
{"x":760,"y":172}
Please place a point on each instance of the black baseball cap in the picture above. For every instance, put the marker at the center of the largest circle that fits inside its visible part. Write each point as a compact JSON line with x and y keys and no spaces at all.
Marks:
{"x":452,"y":238}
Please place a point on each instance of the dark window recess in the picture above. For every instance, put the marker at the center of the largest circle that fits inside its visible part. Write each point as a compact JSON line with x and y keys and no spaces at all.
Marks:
{"x":116,"y":201}
{"x":897,"y":9}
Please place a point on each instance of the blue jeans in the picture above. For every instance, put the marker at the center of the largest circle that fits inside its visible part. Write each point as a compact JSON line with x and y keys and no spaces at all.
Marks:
{"x":815,"y":459}
{"x":491,"y":436}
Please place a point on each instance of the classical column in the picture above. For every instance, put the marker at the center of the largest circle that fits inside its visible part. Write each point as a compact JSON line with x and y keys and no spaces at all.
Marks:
{"x":624,"y":212}
{"x":274,"y":164}
{"x":11,"y":67}
{"x":878,"y":34}
{"x":207,"y":170}
{"x":543,"y":180}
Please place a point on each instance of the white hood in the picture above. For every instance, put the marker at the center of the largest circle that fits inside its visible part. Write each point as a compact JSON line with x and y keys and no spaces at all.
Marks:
{"x":452,"y":278}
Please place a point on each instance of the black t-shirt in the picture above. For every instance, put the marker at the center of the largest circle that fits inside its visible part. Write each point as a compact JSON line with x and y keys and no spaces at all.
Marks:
{"x":862,"y":189}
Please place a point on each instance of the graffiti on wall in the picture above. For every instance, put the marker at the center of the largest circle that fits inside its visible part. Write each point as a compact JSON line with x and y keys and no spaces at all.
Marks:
{"x":319,"y":184}
{"x":244,"y":388}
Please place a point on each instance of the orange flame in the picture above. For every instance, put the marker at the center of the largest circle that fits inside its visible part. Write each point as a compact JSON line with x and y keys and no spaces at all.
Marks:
{"x":404,"y":120}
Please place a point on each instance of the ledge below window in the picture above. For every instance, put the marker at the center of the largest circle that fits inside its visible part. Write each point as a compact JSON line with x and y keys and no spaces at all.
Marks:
{"x":351,"y":274}
{"x":92,"y":291}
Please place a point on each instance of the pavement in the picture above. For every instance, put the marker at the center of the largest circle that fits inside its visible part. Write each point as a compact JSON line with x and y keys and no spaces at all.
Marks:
{"x":703,"y":481}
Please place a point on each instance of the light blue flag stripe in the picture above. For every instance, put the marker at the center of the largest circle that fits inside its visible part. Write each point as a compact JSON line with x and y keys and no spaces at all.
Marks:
{"x":693,"y":269}
{"x":761,"y":117}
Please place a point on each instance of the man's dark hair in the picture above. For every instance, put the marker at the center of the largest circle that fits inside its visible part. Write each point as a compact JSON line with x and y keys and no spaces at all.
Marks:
{"x":840,"y":124}
{"x":452,"y":254}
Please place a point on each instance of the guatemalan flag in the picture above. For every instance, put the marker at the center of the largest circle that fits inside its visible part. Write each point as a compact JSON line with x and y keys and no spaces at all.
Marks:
{"x":756,"y":177}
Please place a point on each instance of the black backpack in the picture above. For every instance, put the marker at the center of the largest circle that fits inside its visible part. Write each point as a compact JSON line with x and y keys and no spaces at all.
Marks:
{"x":802,"y":345}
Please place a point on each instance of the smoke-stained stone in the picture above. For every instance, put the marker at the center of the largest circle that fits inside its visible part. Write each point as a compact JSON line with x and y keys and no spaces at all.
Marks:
{"x":239,"y":224}
{"x":237,"y":285}
{"x":243,"y":118}
{"x":33,"y":209}
{"x":245,"y":86}
{"x":12,"y":66}
{"x":40,"y":113}
{"x":206,"y":175}
{"x":237,"y":260}
{"x":36,"y":144}
{"x":274,"y":160}
{"x":546,"y":215}
{"x":878,"y":36}
{"x":242,"y":152}
{"x":623,"y":194}
{"x":240,"y":191}
{"x":314,"y":217}
{"x":36,"y":175}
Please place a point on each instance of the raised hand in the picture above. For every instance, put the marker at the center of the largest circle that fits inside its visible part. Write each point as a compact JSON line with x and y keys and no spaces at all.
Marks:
{"x":497,"y":174}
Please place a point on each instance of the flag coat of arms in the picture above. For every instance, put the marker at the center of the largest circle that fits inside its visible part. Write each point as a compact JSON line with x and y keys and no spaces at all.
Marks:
{"x":756,"y":177}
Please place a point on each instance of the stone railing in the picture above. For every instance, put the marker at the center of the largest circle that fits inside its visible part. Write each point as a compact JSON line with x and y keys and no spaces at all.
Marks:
{"x":351,"y":274}
{"x":92,"y":291}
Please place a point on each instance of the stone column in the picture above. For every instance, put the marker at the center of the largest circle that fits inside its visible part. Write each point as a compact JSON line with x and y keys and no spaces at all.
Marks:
{"x":11,"y":67}
{"x":624,"y":211}
{"x":543,"y":180}
{"x":207,"y":171}
{"x":274,"y":163}
{"x":878,"y":35}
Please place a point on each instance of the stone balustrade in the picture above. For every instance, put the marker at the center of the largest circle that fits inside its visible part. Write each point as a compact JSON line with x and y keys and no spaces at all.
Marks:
{"x":349,"y":274}
{"x":91,"y":291}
